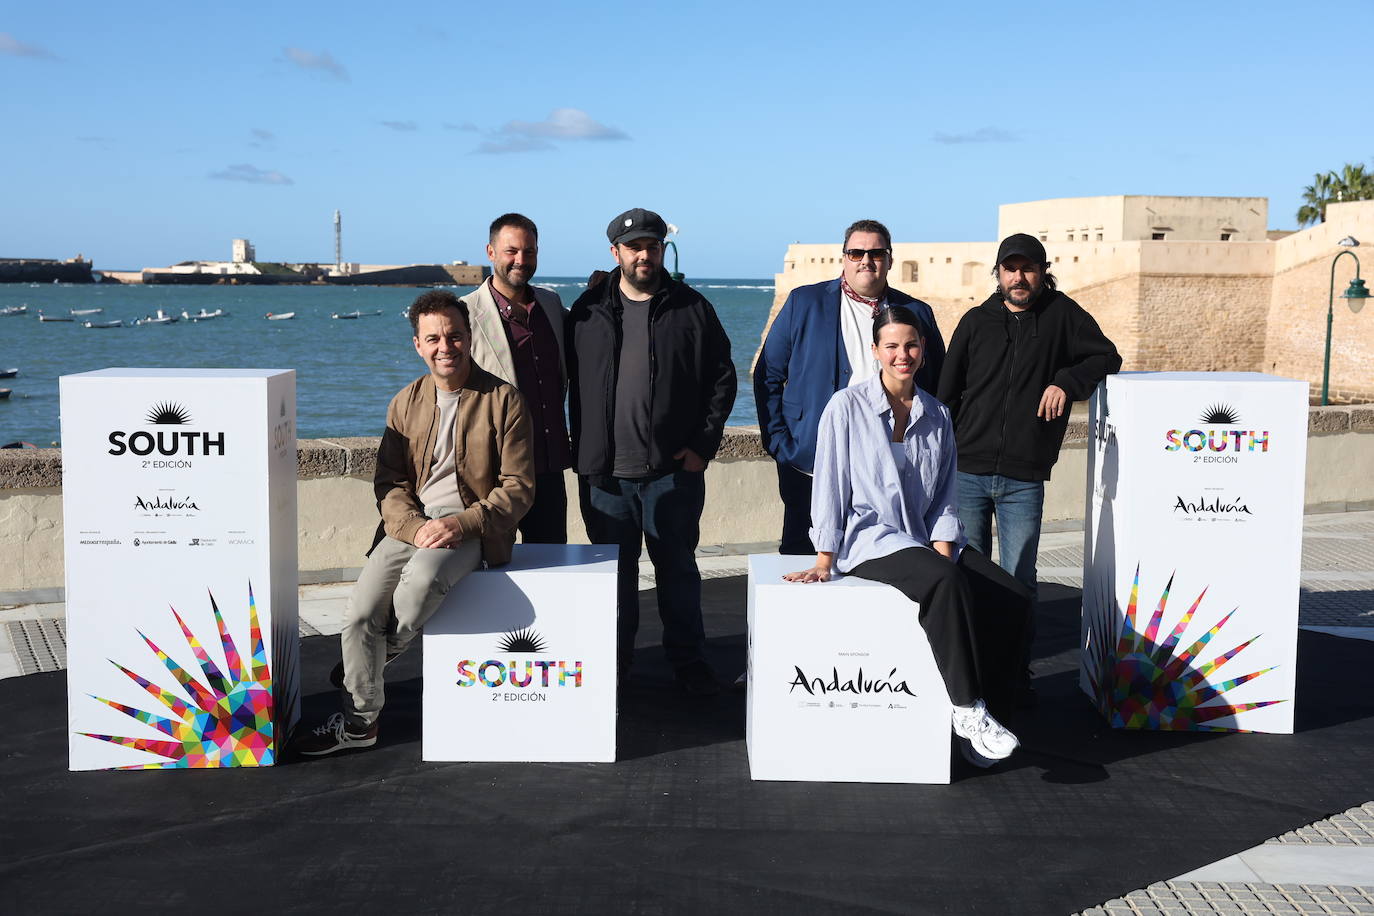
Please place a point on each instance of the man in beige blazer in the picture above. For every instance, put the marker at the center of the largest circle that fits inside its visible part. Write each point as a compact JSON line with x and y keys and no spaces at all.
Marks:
{"x":517,"y":335}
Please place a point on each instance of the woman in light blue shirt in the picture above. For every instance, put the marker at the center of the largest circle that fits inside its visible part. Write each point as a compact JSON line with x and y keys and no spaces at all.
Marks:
{"x":884,"y":506}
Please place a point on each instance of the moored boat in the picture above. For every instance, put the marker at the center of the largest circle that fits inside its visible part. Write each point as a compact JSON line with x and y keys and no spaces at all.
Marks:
{"x":204,"y":315}
{"x":4,"y":393}
{"x":79,"y":312}
{"x":280,"y":316}
{"x":42,"y":317}
{"x":8,"y":373}
{"x":14,"y":310}
{"x":103,"y":324}
{"x":160,"y":318}
{"x":342,"y":315}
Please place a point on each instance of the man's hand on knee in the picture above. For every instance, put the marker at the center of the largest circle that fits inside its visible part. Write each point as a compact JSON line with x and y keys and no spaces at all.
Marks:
{"x":439,"y":533}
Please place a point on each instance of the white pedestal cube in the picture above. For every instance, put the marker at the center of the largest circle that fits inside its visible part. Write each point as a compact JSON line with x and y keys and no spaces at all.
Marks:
{"x":179,"y":507}
{"x":1192,"y":550}
{"x":842,"y":683}
{"x":520,"y":660}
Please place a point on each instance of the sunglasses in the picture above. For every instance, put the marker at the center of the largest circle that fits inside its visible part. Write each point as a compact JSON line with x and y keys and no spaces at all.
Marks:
{"x":877,"y":254}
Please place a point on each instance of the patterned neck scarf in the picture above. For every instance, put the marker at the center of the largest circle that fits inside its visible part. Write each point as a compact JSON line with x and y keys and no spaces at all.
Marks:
{"x":873,"y":302}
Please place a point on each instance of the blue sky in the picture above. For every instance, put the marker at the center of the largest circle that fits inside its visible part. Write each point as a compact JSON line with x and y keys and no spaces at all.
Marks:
{"x":143,"y":134}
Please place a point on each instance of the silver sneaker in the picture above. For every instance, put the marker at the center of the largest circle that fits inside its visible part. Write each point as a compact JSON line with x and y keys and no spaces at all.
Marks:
{"x":986,"y":741}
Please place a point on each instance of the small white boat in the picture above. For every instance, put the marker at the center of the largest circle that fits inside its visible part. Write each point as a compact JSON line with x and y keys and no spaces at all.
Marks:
{"x":204,"y":315}
{"x":103,"y":324}
{"x":79,"y":312}
{"x":42,"y":317}
{"x":160,"y":318}
{"x":342,"y":315}
{"x":280,"y":316}
{"x":8,"y":373}
{"x":14,"y":310}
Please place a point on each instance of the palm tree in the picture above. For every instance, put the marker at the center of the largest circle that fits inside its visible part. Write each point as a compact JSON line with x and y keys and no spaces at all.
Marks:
{"x":1354,"y":183}
{"x":1315,"y":197}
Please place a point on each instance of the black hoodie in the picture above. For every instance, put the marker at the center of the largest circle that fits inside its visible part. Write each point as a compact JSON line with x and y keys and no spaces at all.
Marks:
{"x":998,"y":367}
{"x":691,"y":378}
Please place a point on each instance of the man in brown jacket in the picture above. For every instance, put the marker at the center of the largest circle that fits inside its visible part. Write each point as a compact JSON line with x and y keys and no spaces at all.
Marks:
{"x":454,"y":476}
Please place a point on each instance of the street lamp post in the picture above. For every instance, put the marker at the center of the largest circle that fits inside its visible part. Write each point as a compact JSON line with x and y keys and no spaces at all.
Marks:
{"x":676,"y":274}
{"x":1355,"y":294}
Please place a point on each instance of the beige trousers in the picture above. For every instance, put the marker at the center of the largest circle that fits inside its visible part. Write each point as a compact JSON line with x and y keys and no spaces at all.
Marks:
{"x":413,"y":581}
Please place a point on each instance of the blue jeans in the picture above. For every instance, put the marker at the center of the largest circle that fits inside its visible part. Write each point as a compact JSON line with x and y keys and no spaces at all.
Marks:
{"x":1018,"y":504}
{"x":666,"y":513}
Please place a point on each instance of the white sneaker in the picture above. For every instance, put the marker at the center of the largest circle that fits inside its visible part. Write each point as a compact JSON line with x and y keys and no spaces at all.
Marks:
{"x":986,"y":740}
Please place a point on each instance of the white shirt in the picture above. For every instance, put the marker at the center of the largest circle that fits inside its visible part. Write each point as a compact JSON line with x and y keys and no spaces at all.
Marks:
{"x":856,"y":330}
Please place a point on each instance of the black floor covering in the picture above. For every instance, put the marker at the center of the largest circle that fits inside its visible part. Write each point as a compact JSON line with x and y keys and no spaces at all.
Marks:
{"x":1082,"y":815}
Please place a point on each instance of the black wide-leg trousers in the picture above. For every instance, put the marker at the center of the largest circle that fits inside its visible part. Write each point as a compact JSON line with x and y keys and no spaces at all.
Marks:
{"x":974,"y":614}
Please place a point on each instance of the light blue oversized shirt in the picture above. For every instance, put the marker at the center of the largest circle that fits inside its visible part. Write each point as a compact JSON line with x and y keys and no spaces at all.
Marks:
{"x":863,"y":505}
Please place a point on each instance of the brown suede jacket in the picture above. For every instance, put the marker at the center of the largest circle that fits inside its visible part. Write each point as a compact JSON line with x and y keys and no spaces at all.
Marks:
{"x":493,"y":456}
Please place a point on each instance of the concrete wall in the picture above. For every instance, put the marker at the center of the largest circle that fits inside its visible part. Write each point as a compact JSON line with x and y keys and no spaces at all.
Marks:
{"x":337,"y":514}
{"x":1136,"y":218}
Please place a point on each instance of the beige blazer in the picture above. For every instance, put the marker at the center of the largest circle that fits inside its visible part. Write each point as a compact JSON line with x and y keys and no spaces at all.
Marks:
{"x":490,"y":347}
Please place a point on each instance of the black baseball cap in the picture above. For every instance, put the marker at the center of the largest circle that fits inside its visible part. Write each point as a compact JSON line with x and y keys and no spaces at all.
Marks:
{"x":1027,"y":246}
{"x":636,"y":224}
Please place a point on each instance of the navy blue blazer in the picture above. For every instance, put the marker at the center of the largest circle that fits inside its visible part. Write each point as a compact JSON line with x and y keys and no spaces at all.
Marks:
{"x":803,"y":363}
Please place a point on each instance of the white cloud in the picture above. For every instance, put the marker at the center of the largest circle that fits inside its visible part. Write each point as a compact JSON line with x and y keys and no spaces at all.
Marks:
{"x":981,"y":135}
{"x":251,"y":174}
{"x":16,"y":48}
{"x":504,"y":144}
{"x":308,"y":60}
{"x":565,"y":124}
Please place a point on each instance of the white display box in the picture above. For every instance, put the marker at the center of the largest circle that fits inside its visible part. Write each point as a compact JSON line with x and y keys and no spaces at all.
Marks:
{"x":1192,"y":550}
{"x":520,"y":660}
{"x":842,"y":683}
{"x":179,"y":507}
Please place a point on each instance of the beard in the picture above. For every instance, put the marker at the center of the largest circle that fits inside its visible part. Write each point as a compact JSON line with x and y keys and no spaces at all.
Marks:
{"x":1006,"y":294}
{"x":648,"y":284}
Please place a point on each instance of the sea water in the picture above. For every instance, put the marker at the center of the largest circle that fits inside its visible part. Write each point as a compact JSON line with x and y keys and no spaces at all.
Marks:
{"x":346,"y":370}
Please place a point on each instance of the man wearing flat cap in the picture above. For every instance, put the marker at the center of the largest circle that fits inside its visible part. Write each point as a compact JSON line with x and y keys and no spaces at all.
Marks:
{"x":650,"y":385}
{"x":1015,"y":365}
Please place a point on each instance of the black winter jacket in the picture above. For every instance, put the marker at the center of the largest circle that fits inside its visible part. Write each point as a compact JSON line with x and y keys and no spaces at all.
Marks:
{"x":691,"y":377}
{"x":997,"y":369}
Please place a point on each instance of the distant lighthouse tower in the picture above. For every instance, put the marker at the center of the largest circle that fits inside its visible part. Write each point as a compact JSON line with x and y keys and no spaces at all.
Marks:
{"x":338,"y":241}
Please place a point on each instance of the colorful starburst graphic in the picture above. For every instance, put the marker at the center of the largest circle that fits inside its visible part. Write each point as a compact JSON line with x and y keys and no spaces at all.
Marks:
{"x":228,"y":721}
{"x":1139,"y":682}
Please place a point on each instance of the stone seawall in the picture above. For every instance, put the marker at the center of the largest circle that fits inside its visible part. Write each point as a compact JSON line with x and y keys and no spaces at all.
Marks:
{"x":337,"y":513}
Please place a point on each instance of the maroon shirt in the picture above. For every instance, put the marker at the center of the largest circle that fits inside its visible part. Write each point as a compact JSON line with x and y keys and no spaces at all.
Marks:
{"x":539,"y":376}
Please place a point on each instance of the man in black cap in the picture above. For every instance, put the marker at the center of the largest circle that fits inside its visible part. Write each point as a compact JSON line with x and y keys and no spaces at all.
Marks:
{"x":650,"y":385}
{"x":1015,"y":365}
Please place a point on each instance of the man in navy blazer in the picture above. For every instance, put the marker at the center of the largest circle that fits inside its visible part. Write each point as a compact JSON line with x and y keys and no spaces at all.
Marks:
{"x":817,"y":345}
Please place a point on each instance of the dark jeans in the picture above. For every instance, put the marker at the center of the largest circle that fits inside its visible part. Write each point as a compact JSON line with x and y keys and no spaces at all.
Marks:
{"x":1019,"y":507}
{"x":795,"y":489}
{"x":666,"y":512}
{"x":973,"y":613}
{"x":547,"y":520}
